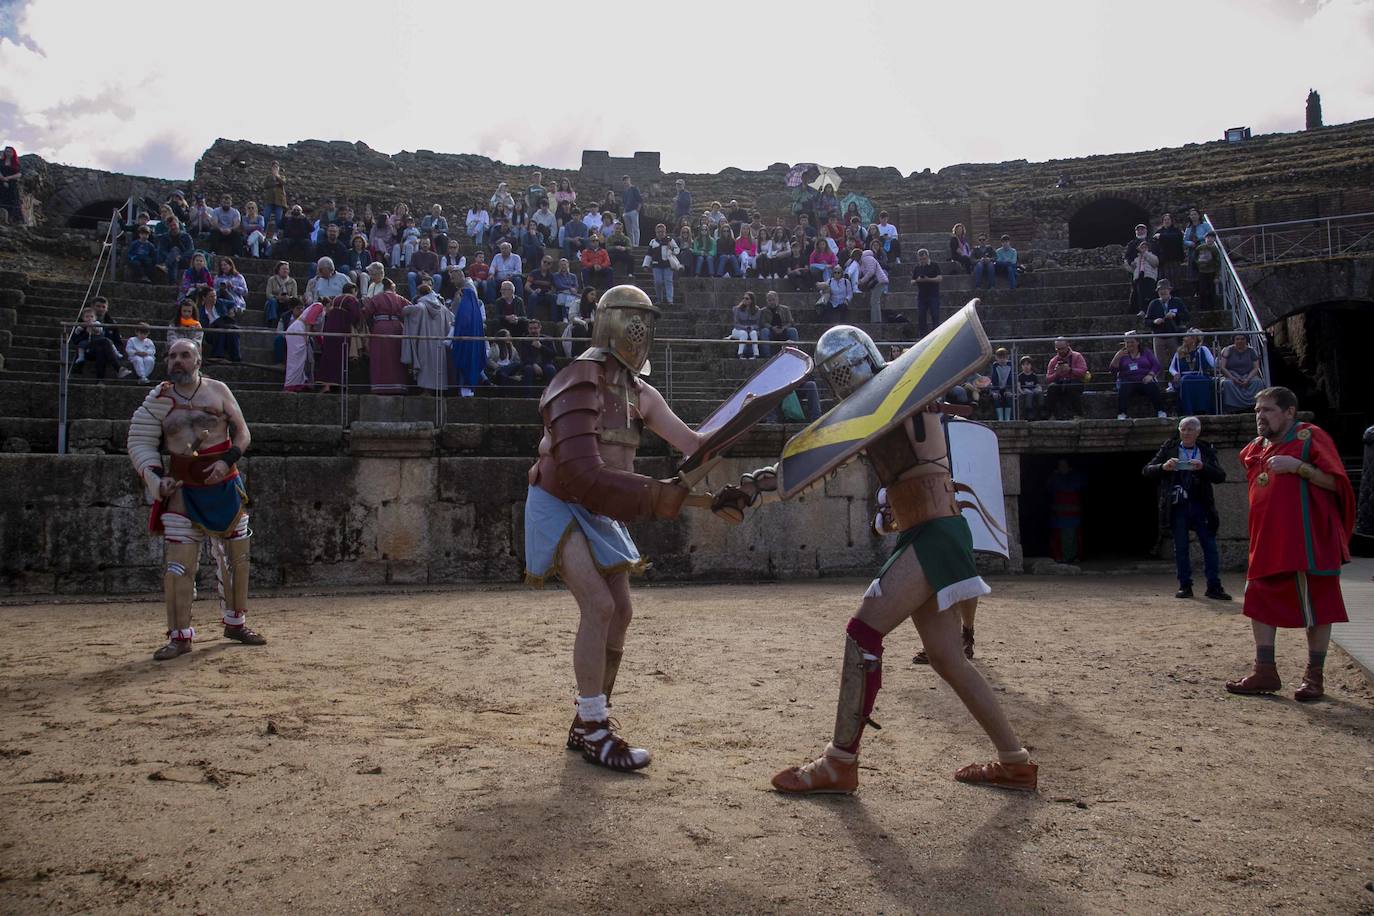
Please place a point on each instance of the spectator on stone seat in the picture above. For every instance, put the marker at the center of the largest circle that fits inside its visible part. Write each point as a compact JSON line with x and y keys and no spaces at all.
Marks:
{"x":1030,"y":391}
{"x":504,"y":366}
{"x":984,"y":263}
{"x":186,"y":325}
{"x":202,"y":221}
{"x":532,"y":243}
{"x":231,"y":286}
{"x":620,"y":249}
{"x":663,"y":254}
{"x":537,"y":354}
{"x":892,"y":245}
{"x":704,"y":253}
{"x":174,"y":249}
{"x":1006,"y":261}
{"x":142,"y":258}
{"x":540,"y":296}
{"x":424,"y":268}
{"x":112,"y":326}
{"x":91,"y":344}
{"x":180,"y":208}
{"x":452,"y":284}
{"x":274,"y":194}
{"x":478,"y":223}
{"x":1242,"y":376}
{"x":356,"y":260}
{"x":774,"y":254}
{"x":1192,"y":369}
{"x":375,"y":282}
{"x":501,"y":231}
{"x":1142,"y":233}
{"x":453,"y":257}
{"x":196,"y":275}
{"x":821,"y":261}
{"x":596,"y":264}
{"x":141,"y":352}
{"x":798,"y":274}
{"x":836,"y":294}
{"x":776,"y":323}
{"x":746,"y":251}
{"x":281,"y":286}
{"x":1001,"y":384}
{"x":959,"y":250}
{"x":222,"y":334}
{"x":926,"y":276}
{"x":227,"y":233}
{"x":746,"y":317}
{"x":727,"y":264}
{"x":714,"y":215}
{"x":501,"y":198}
{"x":254,"y":229}
{"x":407,"y":243}
{"x":479,"y":271}
{"x":332,"y":247}
{"x":1067,"y":374}
{"x":506,"y":267}
{"x":1144,"y":271}
{"x":543,"y":217}
{"x":295,"y":236}
{"x":1136,"y":369}
{"x":435,"y":225}
{"x":585,"y":306}
{"x":1206,"y":263}
{"x":574,"y":235}
{"x":508,"y":311}
{"x":326,"y":283}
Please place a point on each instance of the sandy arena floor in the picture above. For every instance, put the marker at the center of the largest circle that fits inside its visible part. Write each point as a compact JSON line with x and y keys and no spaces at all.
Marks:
{"x":403,"y":753}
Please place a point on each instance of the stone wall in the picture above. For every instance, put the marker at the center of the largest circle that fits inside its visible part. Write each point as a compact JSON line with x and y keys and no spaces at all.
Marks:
{"x":322,"y":521}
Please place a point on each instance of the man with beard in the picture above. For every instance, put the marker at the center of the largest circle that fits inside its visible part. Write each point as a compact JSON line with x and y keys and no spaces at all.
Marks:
{"x":1302,"y":516}
{"x":201,"y":495}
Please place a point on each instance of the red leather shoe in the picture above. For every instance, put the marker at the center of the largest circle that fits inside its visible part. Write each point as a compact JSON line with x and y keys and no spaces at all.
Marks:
{"x":1311,"y":686}
{"x":1264,"y":679}
{"x":1019,"y":777}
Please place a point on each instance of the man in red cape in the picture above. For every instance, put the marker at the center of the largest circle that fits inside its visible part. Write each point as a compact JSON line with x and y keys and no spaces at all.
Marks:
{"x":1302,"y":516}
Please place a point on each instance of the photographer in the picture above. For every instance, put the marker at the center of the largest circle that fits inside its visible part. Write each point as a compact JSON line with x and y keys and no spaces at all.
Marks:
{"x":1186,"y":467}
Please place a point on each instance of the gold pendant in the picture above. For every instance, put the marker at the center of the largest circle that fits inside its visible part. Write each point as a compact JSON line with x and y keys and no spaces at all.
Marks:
{"x":1263,"y":479}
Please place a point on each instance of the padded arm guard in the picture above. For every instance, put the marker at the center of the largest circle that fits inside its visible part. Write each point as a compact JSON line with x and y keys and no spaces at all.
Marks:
{"x":571,"y":408}
{"x":144,"y":442}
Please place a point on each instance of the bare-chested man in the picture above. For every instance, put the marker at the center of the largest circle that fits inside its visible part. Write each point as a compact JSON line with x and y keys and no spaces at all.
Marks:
{"x":583,"y":490}
{"x":202,"y":495}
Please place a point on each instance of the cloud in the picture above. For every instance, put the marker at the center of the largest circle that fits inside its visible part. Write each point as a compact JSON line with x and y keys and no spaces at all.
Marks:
{"x":729,"y":84}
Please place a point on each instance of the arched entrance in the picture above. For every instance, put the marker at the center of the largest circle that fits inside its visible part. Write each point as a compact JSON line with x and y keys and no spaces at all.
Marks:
{"x":1106,"y":221}
{"x":93,"y":214}
{"x":1320,"y":352}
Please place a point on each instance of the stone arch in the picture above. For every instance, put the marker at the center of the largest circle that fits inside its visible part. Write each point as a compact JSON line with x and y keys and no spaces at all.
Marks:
{"x":80,"y":204}
{"x":1105,"y":220}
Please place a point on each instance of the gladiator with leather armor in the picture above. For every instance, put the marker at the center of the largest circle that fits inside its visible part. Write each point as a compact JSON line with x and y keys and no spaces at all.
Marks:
{"x":584,"y":490}
{"x":930,"y":575}
{"x":199,"y":497}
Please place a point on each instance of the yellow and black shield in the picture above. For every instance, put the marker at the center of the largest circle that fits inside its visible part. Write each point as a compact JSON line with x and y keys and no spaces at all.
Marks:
{"x":936,"y":363}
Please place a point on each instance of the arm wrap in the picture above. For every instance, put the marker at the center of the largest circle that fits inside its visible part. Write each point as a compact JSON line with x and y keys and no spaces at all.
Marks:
{"x":232,"y":455}
{"x":572,"y":414}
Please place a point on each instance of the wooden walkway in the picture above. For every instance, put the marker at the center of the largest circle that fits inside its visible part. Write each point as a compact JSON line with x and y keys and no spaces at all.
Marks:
{"x":1357,"y":636}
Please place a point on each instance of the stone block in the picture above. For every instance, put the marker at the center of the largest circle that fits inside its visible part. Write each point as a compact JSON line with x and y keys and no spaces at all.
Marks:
{"x":397,"y":440}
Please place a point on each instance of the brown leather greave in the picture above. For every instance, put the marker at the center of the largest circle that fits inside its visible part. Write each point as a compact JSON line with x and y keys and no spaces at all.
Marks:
{"x":231,"y":557}
{"x":613,"y":657}
{"x":179,"y":582}
{"x":860,"y":679}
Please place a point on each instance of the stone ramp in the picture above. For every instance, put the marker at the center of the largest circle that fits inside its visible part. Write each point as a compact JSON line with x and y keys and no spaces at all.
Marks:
{"x":1357,"y":636}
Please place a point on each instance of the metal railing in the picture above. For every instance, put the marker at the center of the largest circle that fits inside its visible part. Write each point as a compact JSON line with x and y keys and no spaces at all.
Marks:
{"x":1301,"y":239}
{"x":672,"y":390}
{"x":103,"y":270}
{"x":1238,"y":304}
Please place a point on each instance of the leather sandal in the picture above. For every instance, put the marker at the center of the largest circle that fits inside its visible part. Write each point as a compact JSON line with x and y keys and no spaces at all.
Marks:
{"x":1264,"y":679}
{"x":1018,"y":777}
{"x":603,"y":747}
{"x":173,"y":648}
{"x":245,"y":634}
{"x":826,"y":775}
{"x":1311,"y":687}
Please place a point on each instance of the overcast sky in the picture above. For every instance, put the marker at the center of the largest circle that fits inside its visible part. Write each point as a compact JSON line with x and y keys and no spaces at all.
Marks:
{"x":145,"y":87}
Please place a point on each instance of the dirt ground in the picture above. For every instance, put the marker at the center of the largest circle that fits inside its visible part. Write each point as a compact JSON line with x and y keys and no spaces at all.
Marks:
{"x":403,"y":753}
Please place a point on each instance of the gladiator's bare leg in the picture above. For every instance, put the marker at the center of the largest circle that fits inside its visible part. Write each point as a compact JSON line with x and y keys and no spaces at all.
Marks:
{"x":615,"y":633}
{"x":601,"y":613}
{"x":596,"y":608}
{"x":940,"y":631}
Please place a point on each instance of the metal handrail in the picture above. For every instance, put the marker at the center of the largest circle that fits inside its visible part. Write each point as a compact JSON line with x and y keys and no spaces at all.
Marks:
{"x":1267,"y":243}
{"x":1296,"y":222}
{"x":106,"y":255}
{"x":1242,"y":310}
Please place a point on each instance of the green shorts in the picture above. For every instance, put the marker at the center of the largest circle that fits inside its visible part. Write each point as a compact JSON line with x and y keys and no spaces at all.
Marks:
{"x":944,"y":548}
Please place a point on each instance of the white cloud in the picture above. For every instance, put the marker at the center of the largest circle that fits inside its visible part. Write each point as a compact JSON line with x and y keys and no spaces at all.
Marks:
{"x":709,"y":84}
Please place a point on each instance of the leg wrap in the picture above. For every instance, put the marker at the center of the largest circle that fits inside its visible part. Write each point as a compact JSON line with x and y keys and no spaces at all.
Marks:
{"x":179,"y":584}
{"x":231,"y":575}
{"x":860,"y":681}
{"x":612,"y":669}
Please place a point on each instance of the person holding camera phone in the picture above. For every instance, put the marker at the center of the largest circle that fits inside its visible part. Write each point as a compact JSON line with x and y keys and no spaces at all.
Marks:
{"x":1186,"y":467}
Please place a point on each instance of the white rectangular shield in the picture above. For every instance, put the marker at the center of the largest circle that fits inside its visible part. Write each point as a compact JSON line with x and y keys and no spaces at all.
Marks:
{"x":976,"y":463}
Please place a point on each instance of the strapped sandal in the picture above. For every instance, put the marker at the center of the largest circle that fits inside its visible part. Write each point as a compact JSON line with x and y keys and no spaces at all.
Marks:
{"x":244,"y":634}
{"x":1019,"y":777}
{"x":603,"y":747}
{"x":173,"y":648}
{"x":826,"y":775}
